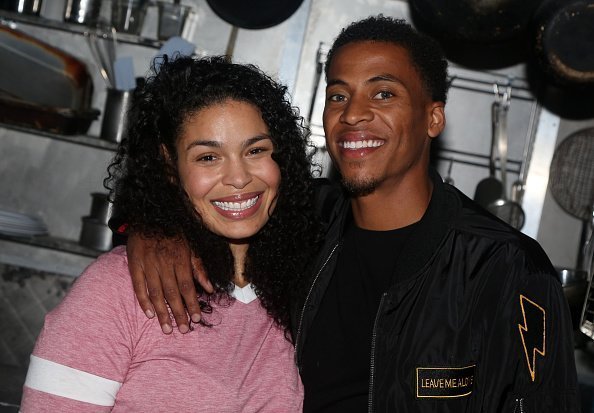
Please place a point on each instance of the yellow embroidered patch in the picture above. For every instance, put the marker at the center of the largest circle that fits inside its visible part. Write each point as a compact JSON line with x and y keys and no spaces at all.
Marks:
{"x":532,"y":332}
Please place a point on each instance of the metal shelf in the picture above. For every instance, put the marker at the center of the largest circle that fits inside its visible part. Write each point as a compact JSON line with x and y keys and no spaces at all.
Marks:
{"x":85,"y":140}
{"x":53,"y":243}
{"x":14,"y":19}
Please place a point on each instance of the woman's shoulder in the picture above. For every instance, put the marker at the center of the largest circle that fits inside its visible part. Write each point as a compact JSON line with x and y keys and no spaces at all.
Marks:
{"x":107,"y":275}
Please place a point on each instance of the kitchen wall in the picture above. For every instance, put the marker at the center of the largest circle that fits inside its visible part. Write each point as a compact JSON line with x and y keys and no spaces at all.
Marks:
{"x":54,"y":179}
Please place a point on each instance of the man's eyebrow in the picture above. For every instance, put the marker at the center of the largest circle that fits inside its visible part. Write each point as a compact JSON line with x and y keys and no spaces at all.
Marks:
{"x":384,"y":77}
{"x":333,"y":82}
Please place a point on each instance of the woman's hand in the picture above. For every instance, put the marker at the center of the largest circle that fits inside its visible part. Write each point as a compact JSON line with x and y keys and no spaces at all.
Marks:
{"x":163,"y":272}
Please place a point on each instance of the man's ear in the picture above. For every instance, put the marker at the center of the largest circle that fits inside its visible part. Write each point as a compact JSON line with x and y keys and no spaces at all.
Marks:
{"x":437,"y":119}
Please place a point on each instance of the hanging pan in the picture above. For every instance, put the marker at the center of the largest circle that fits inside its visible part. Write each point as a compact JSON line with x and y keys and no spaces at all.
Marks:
{"x":254,"y":14}
{"x":563,"y":33}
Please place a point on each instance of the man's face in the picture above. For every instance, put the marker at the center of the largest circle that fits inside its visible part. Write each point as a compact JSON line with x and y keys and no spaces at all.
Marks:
{"x":378,"y":118}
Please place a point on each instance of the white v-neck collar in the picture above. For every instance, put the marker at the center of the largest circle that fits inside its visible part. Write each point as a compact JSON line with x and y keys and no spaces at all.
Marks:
{"x":244,"y":294}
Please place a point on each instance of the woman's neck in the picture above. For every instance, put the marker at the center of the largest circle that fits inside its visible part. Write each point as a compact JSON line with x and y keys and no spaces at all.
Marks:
{"x":239,"y":252}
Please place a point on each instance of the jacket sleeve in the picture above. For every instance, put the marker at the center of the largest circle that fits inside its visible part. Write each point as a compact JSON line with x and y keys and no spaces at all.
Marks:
{"x":545,"y":378}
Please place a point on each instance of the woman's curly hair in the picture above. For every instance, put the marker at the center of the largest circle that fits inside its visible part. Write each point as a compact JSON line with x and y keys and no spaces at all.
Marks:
{"x":147,"y":192}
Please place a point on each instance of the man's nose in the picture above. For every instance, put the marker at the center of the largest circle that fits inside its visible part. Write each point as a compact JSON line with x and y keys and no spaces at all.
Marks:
{"x":237,"y":174}
{"x":356,"y":110}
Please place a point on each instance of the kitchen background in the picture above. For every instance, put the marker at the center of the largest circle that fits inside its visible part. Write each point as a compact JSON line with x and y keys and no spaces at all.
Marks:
{"x":47,"y":177}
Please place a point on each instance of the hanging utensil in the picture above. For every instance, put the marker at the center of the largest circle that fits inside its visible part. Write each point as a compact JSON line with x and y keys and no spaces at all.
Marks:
{"x":490,"y":188}
{"x":448,"y":179}
{"x":320,"y":60}
{"x":518,"y":188}
{"x":102,"y":43}
{"x":587,"y":318}
{"x":506,"y":209}
{"x":99,"y":61}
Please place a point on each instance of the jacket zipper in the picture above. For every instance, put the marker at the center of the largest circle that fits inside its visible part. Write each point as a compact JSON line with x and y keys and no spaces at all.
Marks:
{"x":520,"y":403}
{"x":307,"y":299}
{"x":372,"y":362}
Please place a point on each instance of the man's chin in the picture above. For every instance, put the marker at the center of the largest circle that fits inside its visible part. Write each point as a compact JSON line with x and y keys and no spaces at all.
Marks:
{"x":358,"y":188}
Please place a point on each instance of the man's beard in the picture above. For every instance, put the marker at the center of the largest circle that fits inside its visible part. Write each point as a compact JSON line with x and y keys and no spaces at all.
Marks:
{"x":361,"y":187}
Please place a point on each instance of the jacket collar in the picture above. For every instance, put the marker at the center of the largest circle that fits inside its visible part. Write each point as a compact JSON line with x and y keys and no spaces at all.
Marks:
{"x":428,"y":234}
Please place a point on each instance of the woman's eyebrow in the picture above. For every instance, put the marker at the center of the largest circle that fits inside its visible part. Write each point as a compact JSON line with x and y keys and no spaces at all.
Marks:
{"x":251,"y":141}
{"x":212,"y":144}
{"x":218,"y":144}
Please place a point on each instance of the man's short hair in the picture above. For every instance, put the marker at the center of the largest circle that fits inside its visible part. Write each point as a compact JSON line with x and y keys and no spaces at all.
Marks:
{"x":425,"y":53}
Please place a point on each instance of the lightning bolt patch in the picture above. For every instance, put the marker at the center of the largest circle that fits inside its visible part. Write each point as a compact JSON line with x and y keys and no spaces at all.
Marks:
{"x":532,"y":332}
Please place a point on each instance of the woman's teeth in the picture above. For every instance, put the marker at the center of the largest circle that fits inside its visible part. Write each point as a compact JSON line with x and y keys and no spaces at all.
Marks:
{"x":236,"y":206}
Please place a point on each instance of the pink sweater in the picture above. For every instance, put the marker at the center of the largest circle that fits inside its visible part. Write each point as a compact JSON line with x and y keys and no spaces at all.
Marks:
{"x":98,"y":352}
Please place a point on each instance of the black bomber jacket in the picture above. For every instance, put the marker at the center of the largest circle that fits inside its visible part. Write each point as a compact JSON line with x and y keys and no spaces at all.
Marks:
{"x":477,"y":323}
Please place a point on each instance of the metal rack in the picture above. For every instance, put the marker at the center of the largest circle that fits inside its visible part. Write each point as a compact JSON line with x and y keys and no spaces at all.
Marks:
{"x":13,"y":20}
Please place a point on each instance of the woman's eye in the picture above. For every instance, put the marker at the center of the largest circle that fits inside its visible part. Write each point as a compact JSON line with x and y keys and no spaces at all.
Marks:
{"x":206,"y":158}
{"x":384,"y":94}
{"x":258,"y":150}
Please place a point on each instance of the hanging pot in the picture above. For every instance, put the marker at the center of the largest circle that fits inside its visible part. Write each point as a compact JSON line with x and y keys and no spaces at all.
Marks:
{"x":564,"y":40}
{"x":476,"y":20}
{"x":478,"y":34}
{"x":254,"y":14}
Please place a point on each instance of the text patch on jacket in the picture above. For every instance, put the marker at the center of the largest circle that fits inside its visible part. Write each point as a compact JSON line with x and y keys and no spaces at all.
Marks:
{"x":444,"y":382}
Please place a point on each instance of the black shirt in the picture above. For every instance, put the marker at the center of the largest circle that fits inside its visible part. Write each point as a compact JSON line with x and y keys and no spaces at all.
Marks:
{"x":336,"y":354}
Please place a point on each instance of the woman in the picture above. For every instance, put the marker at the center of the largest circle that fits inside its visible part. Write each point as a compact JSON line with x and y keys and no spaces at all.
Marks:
{"x":215,"y":155}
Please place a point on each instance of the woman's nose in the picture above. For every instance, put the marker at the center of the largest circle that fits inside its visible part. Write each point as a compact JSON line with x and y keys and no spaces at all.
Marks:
{"x":237,"y":174}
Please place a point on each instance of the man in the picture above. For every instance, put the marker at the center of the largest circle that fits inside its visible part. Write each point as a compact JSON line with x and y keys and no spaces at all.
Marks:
{"x":420,"y":300}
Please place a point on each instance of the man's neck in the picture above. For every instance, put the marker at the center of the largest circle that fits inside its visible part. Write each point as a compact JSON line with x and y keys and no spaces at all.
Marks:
{"x":394,"y":207}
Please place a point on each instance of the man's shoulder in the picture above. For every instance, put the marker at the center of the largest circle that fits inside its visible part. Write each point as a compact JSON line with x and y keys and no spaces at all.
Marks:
{"x":479,"y":226}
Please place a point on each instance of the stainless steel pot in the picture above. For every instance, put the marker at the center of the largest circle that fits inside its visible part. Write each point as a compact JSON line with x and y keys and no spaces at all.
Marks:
{"x":101,"y":208}
{"x":32,"y":7}
{"x":95,"y":235}
{"x":575,"y":285}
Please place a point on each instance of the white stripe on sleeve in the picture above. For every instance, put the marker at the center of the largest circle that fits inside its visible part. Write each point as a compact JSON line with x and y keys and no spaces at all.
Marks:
{"x":64,"y":381}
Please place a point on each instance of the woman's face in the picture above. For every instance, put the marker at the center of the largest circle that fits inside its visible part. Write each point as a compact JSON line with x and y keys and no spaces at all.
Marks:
{"x":225,"y":166}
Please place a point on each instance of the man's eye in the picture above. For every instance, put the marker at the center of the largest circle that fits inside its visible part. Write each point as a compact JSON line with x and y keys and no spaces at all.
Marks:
{"x":336,"y":98}
{"x":384,"y":94}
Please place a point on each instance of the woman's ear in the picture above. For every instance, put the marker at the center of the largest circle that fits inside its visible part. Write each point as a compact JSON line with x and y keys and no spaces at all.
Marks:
{"x":170,"y":168}
{"x":437,"y":119}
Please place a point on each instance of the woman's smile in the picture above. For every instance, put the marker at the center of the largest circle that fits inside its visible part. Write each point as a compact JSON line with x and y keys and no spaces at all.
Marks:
{"x":238,"y":206}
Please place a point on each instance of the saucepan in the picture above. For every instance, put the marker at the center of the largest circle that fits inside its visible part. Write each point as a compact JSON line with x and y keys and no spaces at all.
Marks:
{"x":575,"y":284}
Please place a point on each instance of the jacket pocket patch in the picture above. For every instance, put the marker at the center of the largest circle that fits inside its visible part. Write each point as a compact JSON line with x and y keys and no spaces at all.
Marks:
{"x":444,"y":382}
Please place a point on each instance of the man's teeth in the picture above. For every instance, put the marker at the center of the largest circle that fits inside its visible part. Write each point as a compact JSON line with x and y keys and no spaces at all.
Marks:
{"x":236,"y":206}
{"x":361,"y":144}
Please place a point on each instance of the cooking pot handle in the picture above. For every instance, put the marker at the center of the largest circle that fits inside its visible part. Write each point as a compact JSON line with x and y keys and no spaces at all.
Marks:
{"x":502,"y":135}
